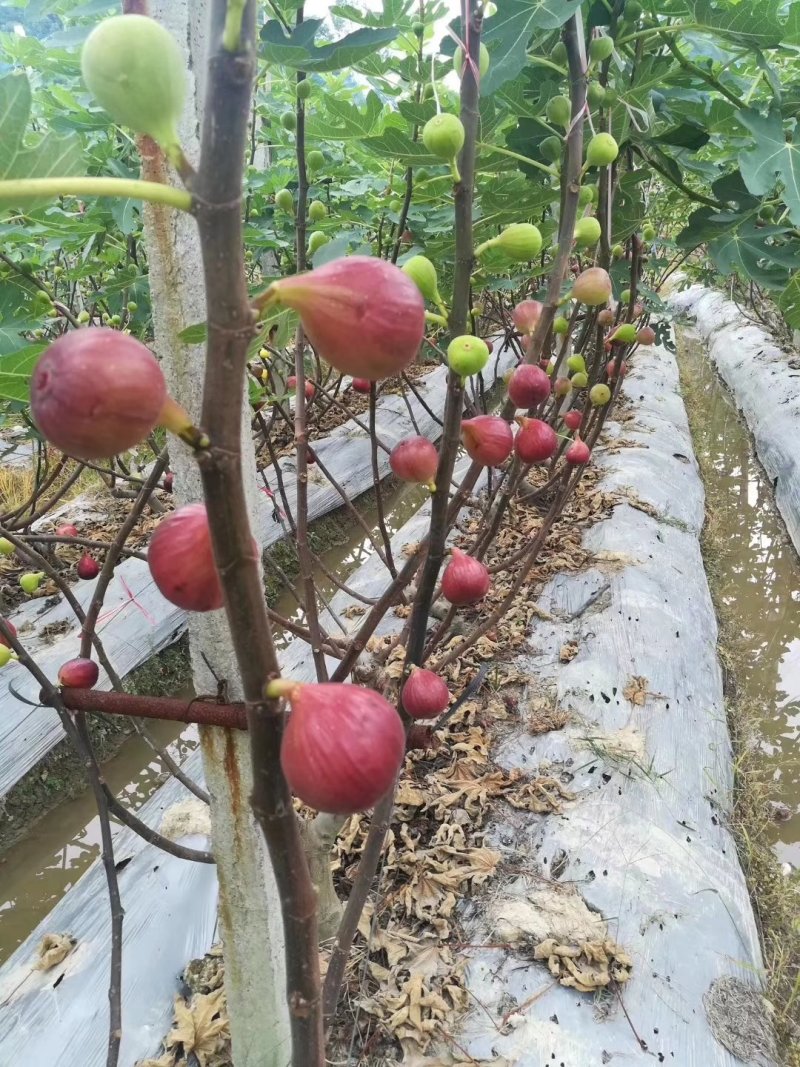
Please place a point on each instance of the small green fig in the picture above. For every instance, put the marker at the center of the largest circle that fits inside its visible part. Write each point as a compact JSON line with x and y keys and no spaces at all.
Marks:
{"x":135,"y":70}
{"x":418,"y":28}
{"x":601,"y":150}
{"x":600,"y":48}
{"x":303,"y":89}
{"x":576,"y":363}
{"x":551,"y":148}
{"x":423,"y":274}
{"x":5,"y":655}
{"x":285,"y":201}
{"x":586,"y":195}
{"x":599,"y":395}
{"x":6,"y":548}
{"x":316,"y":241}
{"x":766,"y":212}
{"x":520,"y":241}
{"x":30,"y":581}
{"x":587,"y":232}
{"x":625,"y":296}
{"x":316,"y":209}
{"x":443,"y":136}
{"x":559,"y":53}
{"x":625,"y":333}
{"x":289,"y":121}
{"x":84,"y":317}
{"x":618,"y":251}
{"x":648,"y":232}
{"x":483,"y":61}
{"x":467,"y":355}
{"x":132,"y":307}
{"x":579,"y":380}
{"x":559,"y":111}
{"x":596,"y":95}
{"x":560,"y":325}
{"x":632,"y":11}
{"x":314,"y":160}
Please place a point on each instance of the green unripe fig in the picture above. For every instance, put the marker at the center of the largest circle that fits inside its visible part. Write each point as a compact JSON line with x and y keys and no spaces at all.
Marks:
{"x":443,"y":136}
{"x":105,"y":318}
{"x":427,"y":92}
{"x":551,"y":148}
{"x":41,"y":297}
{"x":600,"y":48}
{"x":31,"y":581}
{"x":116,"y":320}
{"x":632,"y":11}
{"x":133,"y":307}
{"x":602,"y":150}
{"x":315,"y":160}
{"x":483,"y":61}
{"x":316,"y":241}
{"x":599,"y":395}
{"x":648,"y":233}
{"x":58,"y":271}
{"x":395,"y":205}
{"x":586,"y":195}
{"x":559,"y":54}
{"x":423,"y":274}
{"x":317,"y":211}
{"x":766,"y":212}
{"x":284,"y":200}
{"x":596,"y":95}
{"x":489,"y":9}
{"x":559,"y":111}
{"x":418,"y":28}
{"x":84,"y":317}
{"x":587,"y":232}
{"x":5,"y":655}
{"x":6,"y":548}
{"x":625,"y":296}
{"x":625,"y":333}
{"x":134,"y":69}
{"x":576,"y":363}
{"x":289,"y":121}
{"x":421,"y":175}
{"x":579,"y":380}
{"x":520,"y":241}
{"x":560,"y":325}
{"x":618,"y":251}
{"x":303,"y":90}
{"x":467,"y":355}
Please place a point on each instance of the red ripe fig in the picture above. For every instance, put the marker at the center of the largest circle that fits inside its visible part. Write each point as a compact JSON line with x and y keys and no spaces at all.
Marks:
{"x":181,"y":560}
{"x":646,"y":336}
{"x":415,"y":460}
{"x":360,"y":385}
{"x":10,"y":625}
{"x":562,"y":386}
{"x":528,"y":386}
{"x":309,"y":388}
{"x":465,"y":580}
{"x":578,"y":453}
{"x":488,"y":439}
{"x":544,"y":364}
{"x":526,"y":315}
{"x":638,"y":310}
{"x":362,"y":314}
{"x":169,"y":482}
{"x":67,"y":530}
{"x":592,"y":287}
{"x":536,"y":441}
{"x":96,"y":392}
{"x":78,"y":673}
{"x":605,"y":317}
{"x":87,"y":567}
{"x":611,"y":369}
{"x":342,"y":747}
{"x":573,"y":419}
{"x":424,"y":694}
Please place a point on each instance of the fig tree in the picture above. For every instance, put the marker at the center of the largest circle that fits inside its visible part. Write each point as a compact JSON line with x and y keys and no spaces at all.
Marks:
{"x":601,"y":150}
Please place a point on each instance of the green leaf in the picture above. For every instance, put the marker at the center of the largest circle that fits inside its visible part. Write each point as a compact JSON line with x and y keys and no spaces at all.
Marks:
{"x":194,"y":335}
{"x":749,"y":25}
{"x":771,"y":158}
{"x":687,"y":135}
{"x":508,"y":32}
{"x":15,"y":107}
{"x":343,"y":121}
{"x":397,"y":144}
{"x":751,"y":252}
{"x":298,"y":50}
{"x":16,"y":370}
{"x":789,"y":302}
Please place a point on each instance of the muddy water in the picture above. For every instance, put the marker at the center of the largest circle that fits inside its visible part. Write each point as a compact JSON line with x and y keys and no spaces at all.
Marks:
{"x":754,"y":573}
{"x":35,"y":873}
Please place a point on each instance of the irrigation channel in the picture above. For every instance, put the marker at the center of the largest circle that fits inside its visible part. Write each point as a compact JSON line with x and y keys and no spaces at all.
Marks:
{"x":754,"y":575}
{"x":37,"y":871}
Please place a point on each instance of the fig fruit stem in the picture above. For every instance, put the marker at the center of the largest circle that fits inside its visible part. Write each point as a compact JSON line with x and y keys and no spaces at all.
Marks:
{"x":21,"y":189}
{"x":522,"y":159}
{"x":439,"y":320}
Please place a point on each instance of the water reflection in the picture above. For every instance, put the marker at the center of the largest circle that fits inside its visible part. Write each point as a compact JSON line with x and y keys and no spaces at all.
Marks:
{"x":755,"y":576}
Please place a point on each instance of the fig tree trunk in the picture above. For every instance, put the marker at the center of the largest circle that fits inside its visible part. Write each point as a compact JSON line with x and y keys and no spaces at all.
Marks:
{"x":249,"y":908}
